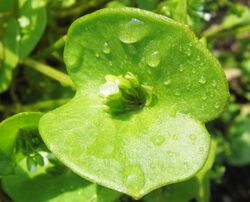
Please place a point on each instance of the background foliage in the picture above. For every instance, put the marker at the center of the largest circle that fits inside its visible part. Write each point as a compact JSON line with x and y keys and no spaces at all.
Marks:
{"x":33,"y":75}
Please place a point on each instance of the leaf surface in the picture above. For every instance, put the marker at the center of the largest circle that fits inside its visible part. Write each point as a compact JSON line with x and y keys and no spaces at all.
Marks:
{"x":41,"y":186}
{"x":158,"y":145}
{"x":9,"y":130}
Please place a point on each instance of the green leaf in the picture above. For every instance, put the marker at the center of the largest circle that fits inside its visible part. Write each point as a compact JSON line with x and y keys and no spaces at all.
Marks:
{"x":40,"y":187}
{"x":32,"y":21}
{"x":10,"y":53}
{"x":6,"y":5}
{"x":197,"y":187}
{"x":20,"y":37}
{"x":9,"y":130}
{"x":232,"y":20}
{"x":159,"y":144}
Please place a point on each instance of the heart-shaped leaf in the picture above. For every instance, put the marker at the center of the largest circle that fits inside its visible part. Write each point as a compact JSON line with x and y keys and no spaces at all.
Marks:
{"x":41,"y":186}
{"x":20,"y":37}
{"x":158,"y":76}
{"x":10,"y":53}
{"x":32,"y":21}
{"x":9,"y":130}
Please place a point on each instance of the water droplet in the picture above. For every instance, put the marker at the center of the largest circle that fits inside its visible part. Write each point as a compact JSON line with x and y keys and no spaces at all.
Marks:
{"x":24,"y":21}
{"x":188,"y":87}
{"x":153,"y":59}
{"x":187,"y":165}
{"x":177,"y":93}
{"x":216,"y":105}
{"x":174,"y":137}
{"x":181,"y":68}
{"x":167,"y":82}
{"x":134,"y":177}
{"x":157,"y":140}
{"x":97,"y":55}
{"x":214,"y":83}
{"x":133,"y":31}
{"x":192,"y":137}
{"x":201,"y":149}
{"x":106,"y":49}
{"x":198,"y":58}
{"x":170,"y":153}
{"x":202,"y":80}
{"x":204,"y":97}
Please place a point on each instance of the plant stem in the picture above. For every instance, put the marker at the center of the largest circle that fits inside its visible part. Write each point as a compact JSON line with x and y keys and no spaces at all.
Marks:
{"x":37,"y":106}
{"x":227,"y":33}
{"x":79,"y":8}
{"x":49,"y":71}
{"x":55,"y":46}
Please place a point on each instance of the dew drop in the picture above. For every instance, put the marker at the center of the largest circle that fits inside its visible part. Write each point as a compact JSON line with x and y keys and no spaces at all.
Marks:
{"x":153,"y":59}
{"x":24,"y":21}
{"x":97,"y":55}
{"x":157,"y":140}
{"x":202,"y":80}
{"x":170,"y":153}
{"x":216,"y":106}
{"x":177,"y":93}
{"x":134,"y":177}
{"x":214,"y":83}
{"x":174,"y":137}
{"x":192,"y":137}
{"x":181,"y":68}
{"x":204,"y":97}
{"x":133,"y":31}
{"x":187,"y":165}
{"x":167,"y":82}
{"x":106,"y":49}
{"x":188,"y":51}
{"x":201,"y":149}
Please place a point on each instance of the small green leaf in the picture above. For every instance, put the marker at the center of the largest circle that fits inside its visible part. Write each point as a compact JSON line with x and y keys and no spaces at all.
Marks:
{"x":32,"y":22}
{"x":163,"y":82}
{"x":9,"y":130}
{"x":10,"y":53}
{"x":6,"y":5}
{"x":41,"y":187}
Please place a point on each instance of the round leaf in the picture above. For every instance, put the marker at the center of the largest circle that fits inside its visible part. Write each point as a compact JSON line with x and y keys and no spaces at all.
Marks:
{"x":161,"y":144}
{"x":9,"y":131}
{"x":41,"y":186}
{"x":10,"y":53}
{"x":134,"y":154}
{"x":32,"y":22}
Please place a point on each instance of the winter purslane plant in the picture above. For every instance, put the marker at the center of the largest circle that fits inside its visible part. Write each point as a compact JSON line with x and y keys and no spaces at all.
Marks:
{"x":145,"y":87}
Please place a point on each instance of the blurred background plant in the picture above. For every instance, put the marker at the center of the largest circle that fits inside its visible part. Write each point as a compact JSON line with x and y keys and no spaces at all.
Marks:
{"x":33,"y":77}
